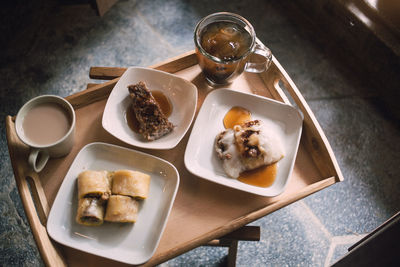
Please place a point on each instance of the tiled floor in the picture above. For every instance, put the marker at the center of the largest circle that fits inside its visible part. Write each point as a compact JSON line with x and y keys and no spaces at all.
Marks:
{"x":54,"y":46}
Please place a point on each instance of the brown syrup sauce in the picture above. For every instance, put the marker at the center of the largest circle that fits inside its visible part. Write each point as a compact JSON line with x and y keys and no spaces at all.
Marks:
{"x":235,"y":116}
{"x":263,"y":176}
{"x":162,"y":100}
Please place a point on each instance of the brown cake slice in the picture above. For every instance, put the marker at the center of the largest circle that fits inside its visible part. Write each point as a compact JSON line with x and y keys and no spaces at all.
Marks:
{"x":153,"y":124}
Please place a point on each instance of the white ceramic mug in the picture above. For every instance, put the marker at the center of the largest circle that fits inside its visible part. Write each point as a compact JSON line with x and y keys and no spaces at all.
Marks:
{"x":43,"y":150}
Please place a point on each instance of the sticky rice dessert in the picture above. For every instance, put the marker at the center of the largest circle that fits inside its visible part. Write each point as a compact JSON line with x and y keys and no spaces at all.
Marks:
{"x":227,"y":151}
{"x":248,"y":146}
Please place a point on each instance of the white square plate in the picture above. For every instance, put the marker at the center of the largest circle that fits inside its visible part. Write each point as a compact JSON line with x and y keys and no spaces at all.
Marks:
{"x":181,"y":93}
{"x":200,"y":155}
{"x":128,"y":243}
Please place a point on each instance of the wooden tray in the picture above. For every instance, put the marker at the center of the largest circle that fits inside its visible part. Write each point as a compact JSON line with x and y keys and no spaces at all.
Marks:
{"x":202,"y":210}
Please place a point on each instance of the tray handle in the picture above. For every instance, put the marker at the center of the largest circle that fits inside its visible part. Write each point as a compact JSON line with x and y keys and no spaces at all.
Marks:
{"x":313,"y":136}
{"x":38,"y":196}
{"x":33,"y":198}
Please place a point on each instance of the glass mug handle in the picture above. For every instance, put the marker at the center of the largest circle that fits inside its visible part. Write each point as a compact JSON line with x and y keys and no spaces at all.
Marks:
{"x":260,"y":59}
{"x":38,"y":159}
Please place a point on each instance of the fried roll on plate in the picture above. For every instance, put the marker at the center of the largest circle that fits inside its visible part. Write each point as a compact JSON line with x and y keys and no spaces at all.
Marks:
{"x":94,"y":184}
{"x":90,"y":211}
{"x":131,"y":183}
{"x":122,"y":209}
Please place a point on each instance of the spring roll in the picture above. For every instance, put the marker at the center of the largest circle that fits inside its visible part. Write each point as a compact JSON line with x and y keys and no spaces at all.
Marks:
{"x":90,"y":211}
{"x":94,"y":184}
{"x":122,"y":209}
{"x":131,"y":183}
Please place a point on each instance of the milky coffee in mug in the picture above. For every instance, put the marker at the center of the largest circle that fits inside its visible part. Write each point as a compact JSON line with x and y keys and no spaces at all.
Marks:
{"x":50,"y":116}
{"x":47,"y":125}
{"x":226,"y":45}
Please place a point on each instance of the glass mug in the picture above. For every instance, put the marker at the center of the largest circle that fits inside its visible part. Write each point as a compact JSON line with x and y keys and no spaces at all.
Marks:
{"x":226,"y":45}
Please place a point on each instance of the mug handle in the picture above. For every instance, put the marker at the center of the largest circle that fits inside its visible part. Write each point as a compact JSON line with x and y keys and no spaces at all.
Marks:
{"x":38,"y":159}
{"x":260,"y":60}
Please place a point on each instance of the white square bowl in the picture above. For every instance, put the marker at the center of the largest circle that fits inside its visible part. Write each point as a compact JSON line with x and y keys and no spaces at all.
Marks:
{"x":127,"y":243}
{"x":181,"y":93}
{"x":200,"y":156}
